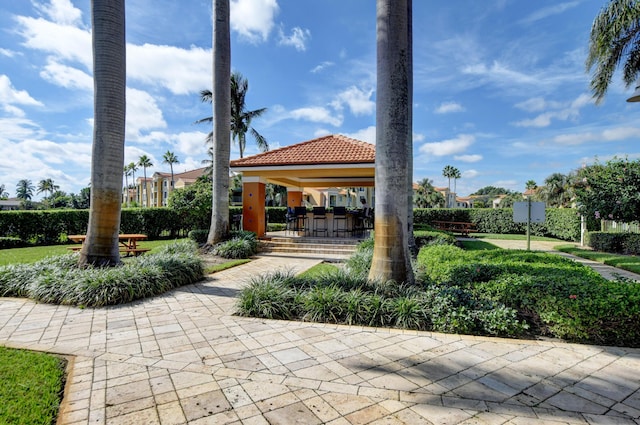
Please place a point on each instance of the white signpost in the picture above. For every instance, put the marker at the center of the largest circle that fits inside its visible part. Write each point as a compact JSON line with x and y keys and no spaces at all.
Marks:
{"x":529,"y":212}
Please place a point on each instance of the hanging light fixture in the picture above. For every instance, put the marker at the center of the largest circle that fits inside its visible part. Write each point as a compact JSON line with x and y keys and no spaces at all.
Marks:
{"x":635,"y":97}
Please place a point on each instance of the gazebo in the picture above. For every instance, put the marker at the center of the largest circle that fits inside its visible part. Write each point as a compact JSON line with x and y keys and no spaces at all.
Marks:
{"x":329,"y":161}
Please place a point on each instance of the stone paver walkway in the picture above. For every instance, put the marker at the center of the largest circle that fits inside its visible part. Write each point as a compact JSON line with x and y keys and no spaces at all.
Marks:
{"x":184,"y":358}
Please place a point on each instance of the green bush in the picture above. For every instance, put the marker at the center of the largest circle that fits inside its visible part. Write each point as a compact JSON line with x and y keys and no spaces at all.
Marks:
{"x":52,"y":227}
{"x":58,"y":280}
{"x":558,"y":297}
{"x":198,"y":235}
{"x":607,"y":241}
{"x":428,"y":238}
{"x":8,"y":242}
{"x":561,"y":223}
{"x":346,"y":296}
{"x":243,"y":244}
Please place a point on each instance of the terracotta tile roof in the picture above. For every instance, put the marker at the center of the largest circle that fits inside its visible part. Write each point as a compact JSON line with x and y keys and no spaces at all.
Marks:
{"x":332,"y":149}
{"x":189,"y":175}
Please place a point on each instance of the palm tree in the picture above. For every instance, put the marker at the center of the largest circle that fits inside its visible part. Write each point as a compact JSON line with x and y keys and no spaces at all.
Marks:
{"x":221,"y":118}
{"x":127,"y":173}
{"x":107,"y":158}
{"x":392,"y":255}
{"x":557,"y":191}
{"x":427,"y":196}
{"x":144,"y":162}
{"x":47,"y":185}
{"x":3,"y":192}
{"x":133,"y":167}
{"x":456,"y":175}
{"x":531,"y":185}
{"x":615,"y":37}
{"x":240,"y":117}
{"x":448,"y":172}
{"x":24,"y":190}
{"x":170,"y":158}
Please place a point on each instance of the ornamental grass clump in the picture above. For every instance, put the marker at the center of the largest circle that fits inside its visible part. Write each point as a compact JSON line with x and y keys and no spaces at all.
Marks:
{"x":58,"y":280}
{"x":346,"y":296}
{"x":243,"y":244}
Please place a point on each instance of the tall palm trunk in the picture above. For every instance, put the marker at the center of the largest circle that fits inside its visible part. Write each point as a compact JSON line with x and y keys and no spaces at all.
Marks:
{"x":391,"y":256}
{"x":107,"y":157}
{"x":222,"y":122}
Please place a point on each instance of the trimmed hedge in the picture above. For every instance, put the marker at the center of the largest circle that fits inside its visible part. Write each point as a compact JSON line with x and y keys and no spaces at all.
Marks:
{"x":6,"y":243}
{"x":561,"y":223}
{"x":52,"y":226}
{"x":615,"y":242}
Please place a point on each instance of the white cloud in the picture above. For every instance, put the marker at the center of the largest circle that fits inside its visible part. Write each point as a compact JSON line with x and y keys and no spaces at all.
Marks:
{"x":143,"y":114}
{"x":10,"y":96}
{"x":448,"y":147}
{"x":192,"y":143}
{"x":449,"y":107}
{"x":315,"y":114}
{"x":536,"y":104}
{"x":66,"y":76}
{"x":253,"y":19}
{"x":321,"y":132}
{"x":298,"y":38}
{"x":469,"y":174}
{"x":324,"y":65}
{"x":63,"y":41}
{"x":563,"y":112}
{"x":8,"y":53}
{"x":62,"y":12}
{"x":366,"y":135}
{"x":17,"y":129}
{"x":181,"y":71}
{"x":468,"y":158}
{"x":608,"y":135}
{"x":358,"y":100}
{"x":545,"y":12}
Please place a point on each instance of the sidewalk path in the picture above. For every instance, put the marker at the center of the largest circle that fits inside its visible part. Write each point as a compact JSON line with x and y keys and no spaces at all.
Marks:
{"x":184,"y":358}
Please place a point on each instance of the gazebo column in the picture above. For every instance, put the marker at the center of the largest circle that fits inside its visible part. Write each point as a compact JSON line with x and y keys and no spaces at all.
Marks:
{"x":253,"y":210}
{"x":294,"y":197}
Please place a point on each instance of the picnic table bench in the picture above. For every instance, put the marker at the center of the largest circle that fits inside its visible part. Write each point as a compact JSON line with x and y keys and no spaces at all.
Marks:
{"x":461,"y":227}
{"x":128,"y":243}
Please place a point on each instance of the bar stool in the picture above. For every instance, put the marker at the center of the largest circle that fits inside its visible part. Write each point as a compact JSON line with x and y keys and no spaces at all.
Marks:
{"x":340,"y":216}
{"x":301,"y":219}
{"x":320,"y":217}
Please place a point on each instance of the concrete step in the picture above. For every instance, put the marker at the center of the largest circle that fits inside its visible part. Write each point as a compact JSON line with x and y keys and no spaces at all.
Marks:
{"x":308,"y":245}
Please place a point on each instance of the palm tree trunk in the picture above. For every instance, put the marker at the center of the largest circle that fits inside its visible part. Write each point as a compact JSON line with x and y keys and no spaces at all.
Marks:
{"x":143,"y":191}
{"x":219,"y":229}
{"x":107,"y":158}
{"x":391,"y":256}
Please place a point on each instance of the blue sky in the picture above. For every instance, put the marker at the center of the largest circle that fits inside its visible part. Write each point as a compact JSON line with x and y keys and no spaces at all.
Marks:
{"x":500,"y":87}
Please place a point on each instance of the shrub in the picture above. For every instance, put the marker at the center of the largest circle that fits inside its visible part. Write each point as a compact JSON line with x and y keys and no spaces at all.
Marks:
{"x":58,"y":280}
{"x":360,"y":262}
{"x":269,"y":296}
{"x":8,"y":242}
{"x":428,"y":238}
{"x":243,"y":244}
{"x":198,"y":235}
{"x":607,"y":241}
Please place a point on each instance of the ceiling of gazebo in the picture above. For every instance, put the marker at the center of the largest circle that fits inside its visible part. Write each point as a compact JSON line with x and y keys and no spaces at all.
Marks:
{"x":329,"y":161}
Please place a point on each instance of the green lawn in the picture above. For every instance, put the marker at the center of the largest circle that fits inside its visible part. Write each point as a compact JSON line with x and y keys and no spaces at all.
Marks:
{"x":31,"y":386}
{"x":35,"y":253}
{"x":626,"y":262}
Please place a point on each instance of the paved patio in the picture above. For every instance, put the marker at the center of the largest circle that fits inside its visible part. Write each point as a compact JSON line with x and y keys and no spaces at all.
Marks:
{"x":183,"y":358}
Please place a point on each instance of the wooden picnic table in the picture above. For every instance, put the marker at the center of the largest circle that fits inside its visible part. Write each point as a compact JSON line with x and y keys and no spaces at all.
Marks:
{"x":461,"y":227}
{"x":128,"y":242}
